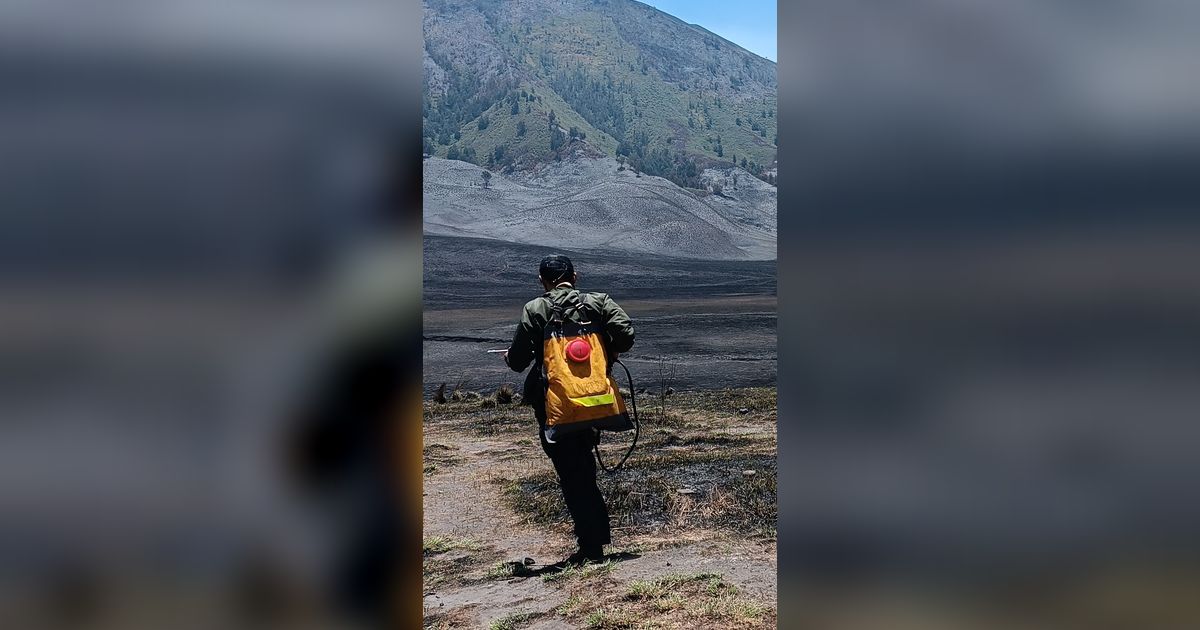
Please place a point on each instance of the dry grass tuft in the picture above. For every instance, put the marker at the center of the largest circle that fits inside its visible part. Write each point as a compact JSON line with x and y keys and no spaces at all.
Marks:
{"x":480,"y":418}
{"x":673,"y":601}
{"x":646,"y":498}
{"x":441,"y":544}
{"x":515,"y":620}
{"x":438,"y":572}
{"x":451,"y":620}
{"x":452,"y":562}
{"x":438,"y":456}
{"x":459,"y":395}
{"x":501,"y":570}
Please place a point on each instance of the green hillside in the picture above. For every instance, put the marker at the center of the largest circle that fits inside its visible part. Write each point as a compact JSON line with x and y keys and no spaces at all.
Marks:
{"x":618,"y":76}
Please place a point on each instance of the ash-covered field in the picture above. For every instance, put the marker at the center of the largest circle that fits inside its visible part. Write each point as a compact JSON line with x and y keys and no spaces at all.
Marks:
{"x":700,"y":324}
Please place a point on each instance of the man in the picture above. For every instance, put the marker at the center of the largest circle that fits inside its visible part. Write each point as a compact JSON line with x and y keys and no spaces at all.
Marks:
{"x":571,"y":454}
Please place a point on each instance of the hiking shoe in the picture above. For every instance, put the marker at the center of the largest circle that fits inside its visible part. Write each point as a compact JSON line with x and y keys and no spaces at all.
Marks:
{"x":582,"y":557}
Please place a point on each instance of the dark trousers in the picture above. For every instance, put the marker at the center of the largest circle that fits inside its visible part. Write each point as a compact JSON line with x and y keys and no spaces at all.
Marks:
{"x":576,"y":468}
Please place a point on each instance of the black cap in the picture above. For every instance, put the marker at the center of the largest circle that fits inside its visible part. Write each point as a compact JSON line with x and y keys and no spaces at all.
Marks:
{"x":556,"y":268}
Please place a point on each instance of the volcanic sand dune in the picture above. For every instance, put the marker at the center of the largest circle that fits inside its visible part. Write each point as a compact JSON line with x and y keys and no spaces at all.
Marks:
{"x":594,"y":203}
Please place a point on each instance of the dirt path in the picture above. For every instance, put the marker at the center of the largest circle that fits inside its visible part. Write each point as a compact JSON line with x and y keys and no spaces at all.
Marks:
{"x":461,"y":502}
{"x":465,"y":511}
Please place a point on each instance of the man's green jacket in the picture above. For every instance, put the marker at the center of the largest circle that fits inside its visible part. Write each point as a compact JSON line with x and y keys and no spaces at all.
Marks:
{"x":526,"y":346}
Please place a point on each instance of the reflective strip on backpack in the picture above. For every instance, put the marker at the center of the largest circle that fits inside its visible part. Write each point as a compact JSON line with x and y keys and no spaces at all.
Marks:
{"x":595,"y":401}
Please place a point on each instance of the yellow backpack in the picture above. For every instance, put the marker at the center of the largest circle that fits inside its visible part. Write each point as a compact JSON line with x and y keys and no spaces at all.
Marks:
{"x":577,"y":371}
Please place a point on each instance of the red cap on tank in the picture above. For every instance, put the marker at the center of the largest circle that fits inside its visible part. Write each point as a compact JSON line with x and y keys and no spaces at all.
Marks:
{"x":579,"y":350}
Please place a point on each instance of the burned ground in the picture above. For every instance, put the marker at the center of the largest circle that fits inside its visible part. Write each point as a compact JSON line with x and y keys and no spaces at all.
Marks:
{"x":693,"y":515}
{"x":700,"y":324}
{"x":694,"y":509}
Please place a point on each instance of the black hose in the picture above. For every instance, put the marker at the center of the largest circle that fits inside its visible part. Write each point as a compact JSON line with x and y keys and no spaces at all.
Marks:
{"x":637,"y":426}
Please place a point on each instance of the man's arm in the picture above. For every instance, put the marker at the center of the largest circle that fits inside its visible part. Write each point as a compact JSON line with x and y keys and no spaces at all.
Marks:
{"x":524,"y":344}
{"x":617,"y":327}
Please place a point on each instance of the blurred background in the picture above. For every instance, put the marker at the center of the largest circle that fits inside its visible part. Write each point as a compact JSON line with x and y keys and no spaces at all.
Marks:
{"x":989,"y":298}
{"x":210,"y":267}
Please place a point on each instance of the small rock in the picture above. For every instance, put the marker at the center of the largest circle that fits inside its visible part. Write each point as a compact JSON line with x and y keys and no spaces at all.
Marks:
{"x":749,"y":473}
{"x":668,"y":564}
{"x":527,"y":561}
{"x":744,"y":410}
{"x":686,"y":491}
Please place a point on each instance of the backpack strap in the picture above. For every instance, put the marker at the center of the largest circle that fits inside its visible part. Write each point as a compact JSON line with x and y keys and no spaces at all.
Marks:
{"x":574,"y":302}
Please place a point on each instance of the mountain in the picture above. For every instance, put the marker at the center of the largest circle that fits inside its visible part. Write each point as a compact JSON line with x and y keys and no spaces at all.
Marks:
{"x":514,"y":83}
{"x":584,"y":202}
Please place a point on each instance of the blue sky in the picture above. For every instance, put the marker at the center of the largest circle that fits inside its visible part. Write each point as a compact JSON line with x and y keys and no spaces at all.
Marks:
{"x":747,"y":23}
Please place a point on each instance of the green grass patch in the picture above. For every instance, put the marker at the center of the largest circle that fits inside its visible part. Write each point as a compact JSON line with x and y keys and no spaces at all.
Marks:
{"x":609,"y":619}
{"x":581,"y":573}
{"x":573,"y":604}
{"x":664,"y":585}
